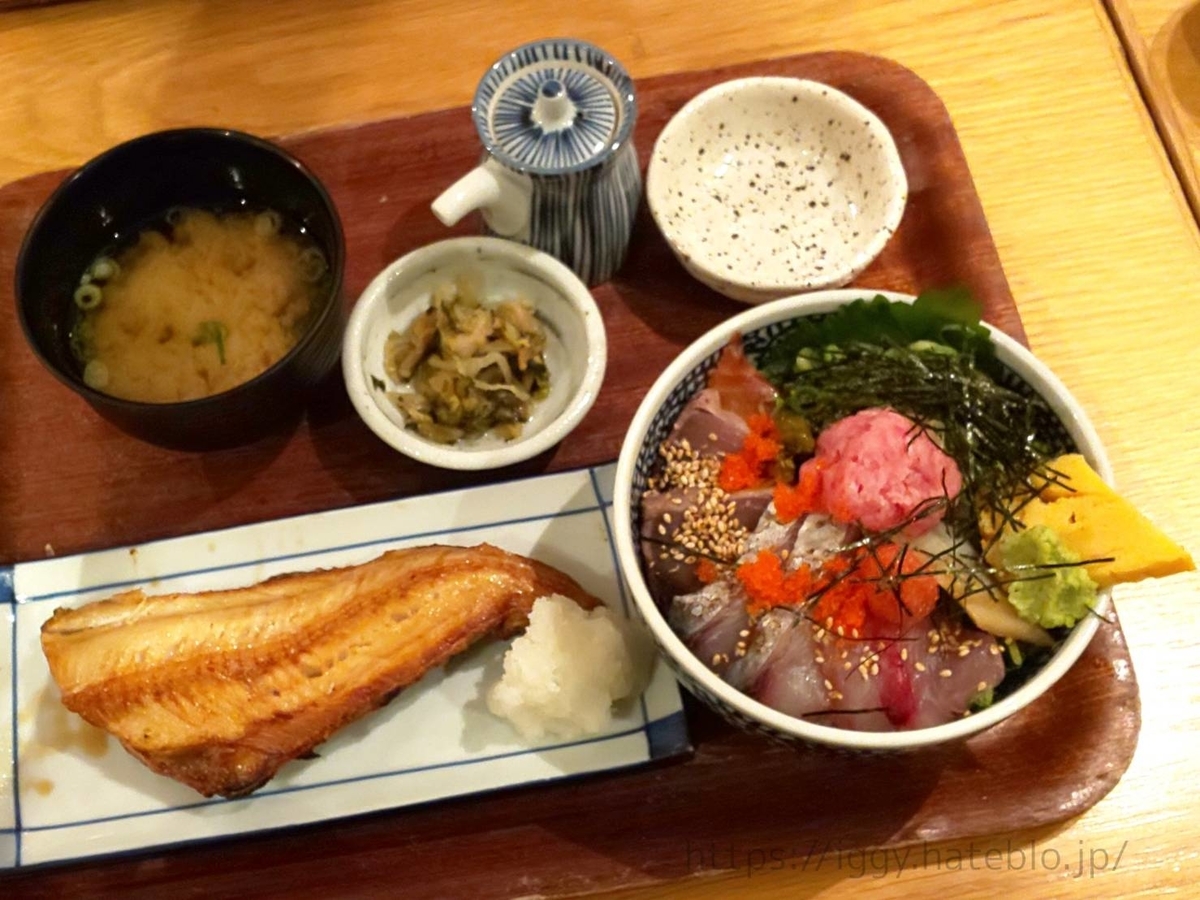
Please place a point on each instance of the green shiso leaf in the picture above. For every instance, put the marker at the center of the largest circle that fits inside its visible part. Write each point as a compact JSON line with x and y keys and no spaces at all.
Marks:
{"x":950,"y":317}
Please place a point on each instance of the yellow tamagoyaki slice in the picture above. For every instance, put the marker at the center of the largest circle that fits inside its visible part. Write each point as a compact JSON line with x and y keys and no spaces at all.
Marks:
{"x":1094,"y":521}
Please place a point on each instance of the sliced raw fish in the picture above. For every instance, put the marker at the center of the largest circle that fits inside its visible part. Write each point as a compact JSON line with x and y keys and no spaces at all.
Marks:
{"x":742,"y":387}
{"x":710,"y":621}
{"x":817,"y":539}
{"x":770,"y":640}
{"x":914,"y":681}
{"x":771,"y":534}
{"x":939,"y":675}
{"x":707,"y":427}
{"x":670,"y":567}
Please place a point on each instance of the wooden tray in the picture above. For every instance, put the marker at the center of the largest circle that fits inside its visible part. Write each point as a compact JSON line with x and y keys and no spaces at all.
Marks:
{"x":71,"y":482}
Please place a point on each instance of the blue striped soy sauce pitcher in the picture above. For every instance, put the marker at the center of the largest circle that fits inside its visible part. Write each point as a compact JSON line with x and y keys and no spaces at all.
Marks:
{"x":560,"y":172}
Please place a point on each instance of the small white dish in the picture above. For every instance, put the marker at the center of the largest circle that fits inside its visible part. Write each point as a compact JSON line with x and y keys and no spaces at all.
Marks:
{"x":576,"y":350}
{"x":767,"y":187}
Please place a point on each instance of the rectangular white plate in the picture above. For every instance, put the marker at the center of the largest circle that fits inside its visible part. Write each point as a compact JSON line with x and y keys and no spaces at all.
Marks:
{"x":69,"y":791}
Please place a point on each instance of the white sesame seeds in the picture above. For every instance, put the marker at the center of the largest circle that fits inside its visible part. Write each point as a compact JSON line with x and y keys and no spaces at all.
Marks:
{"x":982,"y":686}
{"x":919,"y":666}
{"x":945,"y":673}
{"x":904,"y":653}
{"x":828,"y":685}
{"x":710,"y":526}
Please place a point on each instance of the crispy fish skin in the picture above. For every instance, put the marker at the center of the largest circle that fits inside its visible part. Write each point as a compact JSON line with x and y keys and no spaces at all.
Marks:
{"x":219,"y":689}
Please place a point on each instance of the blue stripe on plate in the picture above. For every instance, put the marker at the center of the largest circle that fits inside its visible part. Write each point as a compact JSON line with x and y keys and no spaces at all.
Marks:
{"x":303,"y":554}
{"x":8,"y":601}
{"x":612,"y":547}
{"x":9,"y":849}
{"x":668,"y":736}
{"x":612,"y":550}
{"x":374,"y":776}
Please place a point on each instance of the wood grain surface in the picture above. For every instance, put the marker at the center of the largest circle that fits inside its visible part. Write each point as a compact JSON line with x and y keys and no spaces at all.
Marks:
{"x":1162,"y":39}
{"x":1081,"y":736}
{"x":1092,"y":226}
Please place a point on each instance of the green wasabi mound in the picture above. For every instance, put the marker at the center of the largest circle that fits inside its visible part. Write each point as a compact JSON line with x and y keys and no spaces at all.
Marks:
{"x":1051,"y":590}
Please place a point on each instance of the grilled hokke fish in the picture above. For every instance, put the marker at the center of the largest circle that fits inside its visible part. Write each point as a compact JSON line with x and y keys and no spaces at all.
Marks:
{"x":219,"y":689}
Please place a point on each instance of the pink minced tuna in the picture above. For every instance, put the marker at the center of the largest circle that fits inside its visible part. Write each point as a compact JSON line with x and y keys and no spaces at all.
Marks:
{"x":877,"y":467}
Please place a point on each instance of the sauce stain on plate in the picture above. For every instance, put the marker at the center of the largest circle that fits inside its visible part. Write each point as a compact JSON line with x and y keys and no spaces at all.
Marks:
{"x":44,"y":787}
{"x":55,"y":729}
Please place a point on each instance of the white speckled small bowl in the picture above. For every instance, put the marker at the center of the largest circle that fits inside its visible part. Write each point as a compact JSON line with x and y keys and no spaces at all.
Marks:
{"x":576,"y":344}
{"x":766,"y":187}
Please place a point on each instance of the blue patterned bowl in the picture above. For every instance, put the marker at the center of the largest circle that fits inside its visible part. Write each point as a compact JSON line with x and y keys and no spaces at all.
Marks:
{"x":639,"y":454}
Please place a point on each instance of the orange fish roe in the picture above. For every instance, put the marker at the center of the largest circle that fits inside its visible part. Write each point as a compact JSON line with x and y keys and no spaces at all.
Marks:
{"x":917,"y":593}
{"x":843,"y":606}
{"x":849,"y":592}
{"x":768,"y":586}
{"x":751,"y":465}
{"x":737,"y":474}
{"x":763,"y":580}
{"x":842,"y":603}
{"x":707,"y":571}
{"x":840,"y":509}
{"x":874,"y":589}
{"x":794,"y":501}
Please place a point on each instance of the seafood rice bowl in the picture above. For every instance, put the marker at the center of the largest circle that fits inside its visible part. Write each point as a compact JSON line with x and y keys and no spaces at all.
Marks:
{"x":817,"y":510}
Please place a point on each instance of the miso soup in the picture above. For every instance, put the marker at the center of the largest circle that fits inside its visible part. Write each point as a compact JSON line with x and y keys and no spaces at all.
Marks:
{"x":196,"y":305}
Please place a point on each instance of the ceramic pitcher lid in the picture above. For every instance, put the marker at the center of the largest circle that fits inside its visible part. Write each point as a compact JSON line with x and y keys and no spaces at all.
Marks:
{"x":555,"y":106}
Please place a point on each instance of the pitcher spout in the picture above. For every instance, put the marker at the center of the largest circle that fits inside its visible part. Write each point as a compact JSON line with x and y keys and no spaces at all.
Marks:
{"x":502,"y":196}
